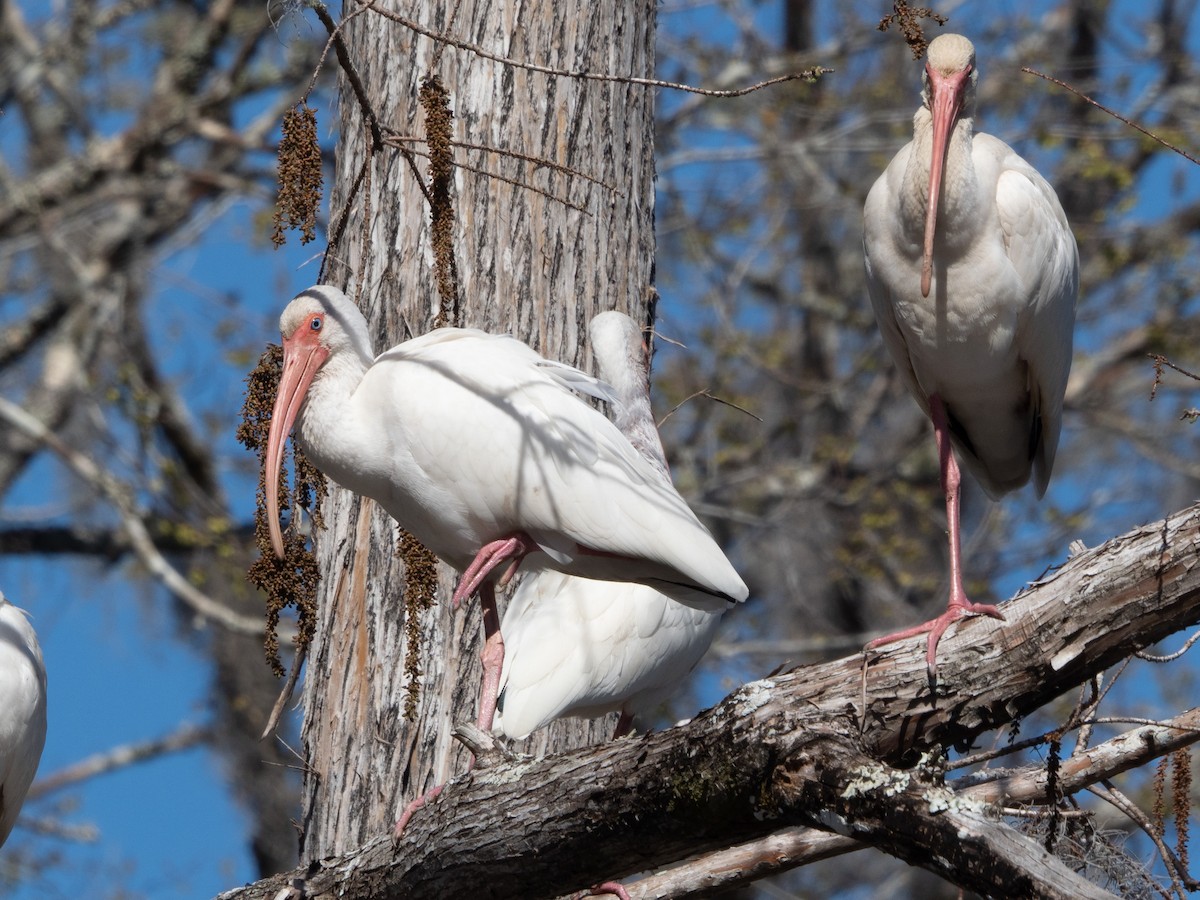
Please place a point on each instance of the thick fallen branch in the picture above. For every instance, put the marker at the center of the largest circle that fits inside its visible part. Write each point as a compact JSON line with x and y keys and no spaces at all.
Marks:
{"x":797,"y":749}
{"x":793,"y":847}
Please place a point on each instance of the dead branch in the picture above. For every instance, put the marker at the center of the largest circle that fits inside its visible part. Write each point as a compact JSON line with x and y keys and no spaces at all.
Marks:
{"x":1116,"y":115}
{"x":794,"y":847}
{"x":133,"y":520}
{"x":118,"y":758}
{"x":799,"y":749}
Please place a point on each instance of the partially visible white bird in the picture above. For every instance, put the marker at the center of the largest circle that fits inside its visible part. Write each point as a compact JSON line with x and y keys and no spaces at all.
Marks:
{"x":482,"y":449}
{"x":987,"y":354}
{"x":22,"y":711}
{"x":582,"y":647}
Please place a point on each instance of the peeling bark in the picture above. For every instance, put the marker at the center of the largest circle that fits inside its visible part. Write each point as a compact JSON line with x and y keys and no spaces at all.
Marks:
{"x":796,"y":749}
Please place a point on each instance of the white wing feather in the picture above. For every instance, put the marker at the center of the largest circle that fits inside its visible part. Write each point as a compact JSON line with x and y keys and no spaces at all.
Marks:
{"x":581,"y":647}
{"x":1042,"y":249}
{"x":503,"y":444}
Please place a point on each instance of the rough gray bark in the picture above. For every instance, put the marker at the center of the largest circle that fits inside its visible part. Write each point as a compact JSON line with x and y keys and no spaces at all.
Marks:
{"x":790,"y":848}
{"x":798,"y":749}
{"x":538,"y":251}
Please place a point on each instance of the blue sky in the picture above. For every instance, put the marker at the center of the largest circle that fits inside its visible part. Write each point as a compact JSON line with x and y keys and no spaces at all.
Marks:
{"x":119,"y":674}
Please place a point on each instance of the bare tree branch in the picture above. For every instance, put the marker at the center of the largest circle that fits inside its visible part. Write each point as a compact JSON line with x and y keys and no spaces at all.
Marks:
{"x":800,"y":748}
{"x":183,"y":738}
{"x":810,"y":74}
{"x":139,"y":536}
{"x":797,"y":846}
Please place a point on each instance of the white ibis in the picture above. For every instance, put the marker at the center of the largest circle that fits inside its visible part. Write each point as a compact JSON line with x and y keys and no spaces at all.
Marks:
{"x":973,"y":273}
{"x":582,"y":647}
{"x":483,"y":450}
{"x":22,"y":711}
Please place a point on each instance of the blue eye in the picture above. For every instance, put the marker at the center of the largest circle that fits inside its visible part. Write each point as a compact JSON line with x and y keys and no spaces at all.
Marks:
{"x":316,"y":323}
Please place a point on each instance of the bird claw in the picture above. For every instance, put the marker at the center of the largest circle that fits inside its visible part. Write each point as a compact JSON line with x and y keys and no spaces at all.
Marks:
{"x":935,"y":628}
{"x":607,"y":887}
{"x":412,"y":807}
{"x":490,"y":556}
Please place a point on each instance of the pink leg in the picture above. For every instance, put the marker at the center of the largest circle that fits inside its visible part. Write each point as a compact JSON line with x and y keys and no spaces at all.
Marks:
{"x":407,"y":814}
{"x":959,"y":606}
{"x":511,"y":549}
{"x":608,"y":887}
{"x":493,"y":662}
{"x":493,"y":658}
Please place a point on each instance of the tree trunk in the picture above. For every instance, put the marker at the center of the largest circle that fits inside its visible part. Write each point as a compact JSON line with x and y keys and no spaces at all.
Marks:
{"x":538,"y":251}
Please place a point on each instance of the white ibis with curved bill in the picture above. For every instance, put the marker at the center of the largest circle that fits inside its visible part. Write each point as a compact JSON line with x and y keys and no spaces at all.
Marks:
{"x":973,"y":273}
{"x":582,"y":647}
{"x":483,"y":450}
{"x":22,"y":711}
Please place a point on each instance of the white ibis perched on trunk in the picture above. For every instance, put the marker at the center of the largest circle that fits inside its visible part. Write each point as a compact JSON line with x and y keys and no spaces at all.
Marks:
{"x":582,"y":647}
{"x":973,"y":273}
{"x":22,"y":711}
{"x":483,"y":450}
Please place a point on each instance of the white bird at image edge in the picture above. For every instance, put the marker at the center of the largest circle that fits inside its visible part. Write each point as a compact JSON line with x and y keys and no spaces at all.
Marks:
{"x":22,"y":711}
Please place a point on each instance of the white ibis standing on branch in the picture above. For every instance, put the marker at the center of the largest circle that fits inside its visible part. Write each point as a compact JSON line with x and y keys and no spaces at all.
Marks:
{"x":582,"y":647}
{"x":483,"y":450}
{"x":22,"y":711}
{"x":973,"y":273}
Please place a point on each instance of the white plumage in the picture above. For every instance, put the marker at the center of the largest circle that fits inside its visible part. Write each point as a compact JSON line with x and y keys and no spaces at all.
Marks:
{"x":22,"y":711}
{"x":973,"y":273}
{"x":466,"y":437}
{"x":484,"y":451}
{"x":581,"y":647}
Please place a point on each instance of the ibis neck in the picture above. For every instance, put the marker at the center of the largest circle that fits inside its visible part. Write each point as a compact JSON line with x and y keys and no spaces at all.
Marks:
{"x":328,"y":428}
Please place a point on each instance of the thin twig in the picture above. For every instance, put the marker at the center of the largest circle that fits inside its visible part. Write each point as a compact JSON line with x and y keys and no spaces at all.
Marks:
{"x":183,"y":738}
{"x":1150,"y":657}
{"x":343,"y":55}
{"x":397,"y":138}
{"x":709,"y":395}
{"x":1134,"y":720}
{"x":1027,"y":812}
{"x":1159,"y":362}
{"x":513,"y":181}
{"x":121,"y":498}
{"x":1084,"y":738}
{"x":289,"y":686}
{"x":360,"y":92}
{"x":807,"y":74}
{"x":338,"y":226}
{"x":1179,"y":878}
{"x":437,"y":51}
{"x":1113,"y":113}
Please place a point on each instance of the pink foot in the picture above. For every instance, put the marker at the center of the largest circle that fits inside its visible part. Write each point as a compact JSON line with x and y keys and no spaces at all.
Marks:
{"x":407,"y":814}
{"x":608,"y":887}
{"x":959,"y":605}
{"x":935,"y":628}
{"x":512,"y":549}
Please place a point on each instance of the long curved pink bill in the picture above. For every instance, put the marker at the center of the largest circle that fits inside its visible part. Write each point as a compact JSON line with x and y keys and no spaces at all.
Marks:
{"x":945,"y":102}
{"x":300,"y":365}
